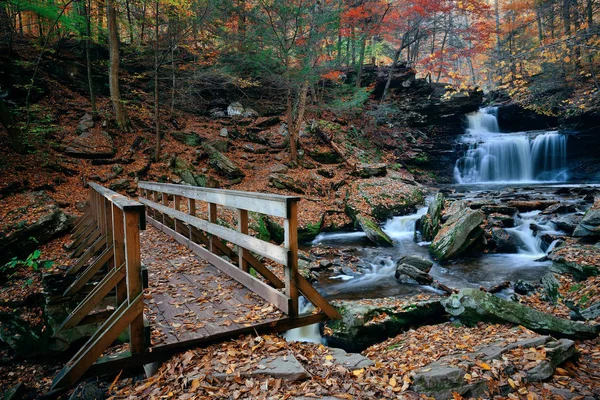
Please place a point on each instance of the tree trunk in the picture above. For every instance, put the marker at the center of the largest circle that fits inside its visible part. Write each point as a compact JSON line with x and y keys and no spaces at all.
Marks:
{"x":156,"y":91}
{"x":129,"y":21}
{"x":391,"y":71}
{"x":361,"y":59}
{"x":88,"y":59}
{"x":113,"y":74}
{"x":291,"y":127}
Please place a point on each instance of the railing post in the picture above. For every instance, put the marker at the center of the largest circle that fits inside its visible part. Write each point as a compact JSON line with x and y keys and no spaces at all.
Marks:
{"x":212,"y":217}
{"x":134,"y":276}
{"x":119,"y":249}
{"x":291,"y":269}
{"x":242,"y":228}
{"x":165,"y":202}
{"x":177,"y":206}
{"x":192,"y":212}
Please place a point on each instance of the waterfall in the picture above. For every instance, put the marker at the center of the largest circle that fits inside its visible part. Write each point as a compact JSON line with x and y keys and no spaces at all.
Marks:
{"x":493,"y":156}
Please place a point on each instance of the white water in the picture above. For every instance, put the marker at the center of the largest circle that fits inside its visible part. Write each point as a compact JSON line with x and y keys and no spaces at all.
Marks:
{"x":493,"y":156}
{"x":309,"y":333}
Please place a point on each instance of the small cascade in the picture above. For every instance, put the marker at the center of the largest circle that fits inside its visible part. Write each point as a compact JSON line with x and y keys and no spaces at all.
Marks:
{"x":403,"y":227}
{"x":308,"y":333}
{"x":493,"y":156}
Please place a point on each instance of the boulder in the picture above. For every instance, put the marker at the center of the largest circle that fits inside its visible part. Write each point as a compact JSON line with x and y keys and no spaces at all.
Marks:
{"x":221,"y":163}
{"x":286,"y":182}
{"x":256,"y":149}
{"x":580,"y":261}
{"x":369,"y":170}
{"x":504,"y":210}
{"x":408,"y":274}
{"x":120,"y":185}
{"x":91,"y":144}
{"x":502,"y":221}
{"x":523,"y":287}
{"x":374,"y":232}
{"x":382,"y":198}
{"x":472,"y":306}
{"x":422,"y":264}
{"x":190,"y":139}
{"x":592,"y":312}
{"x":85,"y":123}
{"x":235,"y":109}
{"x":224,"y":133}
{"x":429,"y":224}
{"x":279,"y":169}
{"x":27,"y":236}
{"x":458,"y":235}
{"x":249,"y":113}
{"x":550,"y":287}
{"x":367,"y":323}
{"x":325,"y":156}
{"x":531,"y":205}
{"x":589,"y":225}
{"x":503,"y":241}
{"x":567,"y":223}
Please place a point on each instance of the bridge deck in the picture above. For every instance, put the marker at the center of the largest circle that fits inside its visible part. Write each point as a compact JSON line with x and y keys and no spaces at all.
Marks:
{"x":189,"y":299}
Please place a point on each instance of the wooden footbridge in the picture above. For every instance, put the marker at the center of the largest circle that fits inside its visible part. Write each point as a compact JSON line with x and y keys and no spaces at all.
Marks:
{"x":225,"y":282}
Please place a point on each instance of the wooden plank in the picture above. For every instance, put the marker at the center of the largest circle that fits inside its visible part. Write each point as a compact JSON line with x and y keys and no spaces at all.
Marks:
{"x":315,"y":298}
{"x":291,"y":268}
{"x":89,"y":240}
{"x":243,"y":228}
{"x":83,"y":218}
{"x":133,"y":265}
{"x":212,"y":218}
{"x":93,"y":298}
{"x":265,"y":249}
{"x":84,"y":234}
{"x":96,"y":318}
{"x":264,"y":203}
{"x":119,"y":250}
{"x":264,"y":271}
{"x":89,"y":272}
{"x":85,"y":257}
{"x":177,"y":206}
{"x":98,"y":343}
{"x":123,"y":202}
{"x":80,"y":229}
{"x":271,"y":295}
{"x":192,"y":212}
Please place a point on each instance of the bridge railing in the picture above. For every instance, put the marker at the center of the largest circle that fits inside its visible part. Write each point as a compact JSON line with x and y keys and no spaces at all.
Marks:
{"x":204,"y":236}
{"x":106,"y":242}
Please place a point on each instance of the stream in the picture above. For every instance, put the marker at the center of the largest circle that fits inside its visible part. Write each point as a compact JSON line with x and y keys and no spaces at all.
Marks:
{"x":489,"y":165}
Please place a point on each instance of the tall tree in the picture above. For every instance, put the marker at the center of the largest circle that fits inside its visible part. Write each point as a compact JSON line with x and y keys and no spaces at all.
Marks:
{"x":113,"y":73}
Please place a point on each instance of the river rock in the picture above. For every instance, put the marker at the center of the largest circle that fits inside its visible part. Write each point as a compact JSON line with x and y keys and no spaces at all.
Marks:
{"x":504,"y":210}
{"x":567,"y":223}
{"x":458,"y":235}
{"x":592,"y":312}
{"x":221,"y":163}
{"x":374,"y":232}
{"x":531,"y":205}
{"x":407,"y":274}
{"x":364,"y":324}
{"x":382,"y":198}
{"x":523,"y":287}
{"x":429,"y":224}
{"x":473,"y":305}
{"x":580,"y":261}
{"x":500,"y":220}
{"x":550,"y":286}
{"x":590,"y":224}
{"x":420,"y":263}
{"x":503,"y":241}
{"x":560,"y":208}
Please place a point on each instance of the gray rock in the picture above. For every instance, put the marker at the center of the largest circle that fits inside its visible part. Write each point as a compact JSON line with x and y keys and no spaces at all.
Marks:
{"x":249,"y":113}
{"x":420,"y":263}
{"x":369,"y":170}
{"x":578,"y":267}
{"x":374,"y":232}
{"x":473,"y":305}
{"x":255,"y":149}
{"x":224,"y":133}
{"x":550,"y":286}
{"x":286,"y":367}
{"x":504,"y":241}
{"x":429,"y":224}
{"x":524,"y":287}
{"x":88,"y":391}
{"x":120,"y":185}
{"x":217,"y":113}
{"x":191,"y":139}
{"x":279,"y":169}
{"x":592,"y":312}
{"x":458,"y":235}
{"x":415,"y":275}
{"x":589,"y":225}
{"x":557,"y":352}
{"x":567,"y":223}
{"x":281,"y":181}
{"x":221,"y":163}
{"x":504,"y":210}
{"x":235,"y":109}
{"x":350,"y":361}
{"x":361,"y":325}
{"x":92,"y":145}
{"x":85,"y":123}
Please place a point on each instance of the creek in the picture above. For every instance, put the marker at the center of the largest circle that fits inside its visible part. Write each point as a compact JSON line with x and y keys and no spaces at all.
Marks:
{"x":490,"y":166}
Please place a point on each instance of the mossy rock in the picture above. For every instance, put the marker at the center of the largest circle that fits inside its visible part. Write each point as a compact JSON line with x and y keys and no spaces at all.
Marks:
{"x":374,"y":232}
{"x":190,"y":139}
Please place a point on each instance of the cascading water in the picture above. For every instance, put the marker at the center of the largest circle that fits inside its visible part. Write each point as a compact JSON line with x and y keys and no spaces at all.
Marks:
{"x":493,"y":156}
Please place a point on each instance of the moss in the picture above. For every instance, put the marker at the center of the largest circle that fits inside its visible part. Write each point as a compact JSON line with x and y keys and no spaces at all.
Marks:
{"x":308,"y":232}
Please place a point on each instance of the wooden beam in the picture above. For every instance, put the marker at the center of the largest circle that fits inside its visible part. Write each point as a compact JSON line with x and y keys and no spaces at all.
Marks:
{"x":265,"y":249}
{"x":119,"y":250}
{"x":85,"y":257}
{"x":268,"y":293}
{"x":291,"y":268}
{"x":264,"y":271}
{"x":98,"y":343}
{"x":78,"y":240}
{"x":133,"y":264}
{"x":94,"y":297}
{"x":315,"y":298}
{"x":242,"y":228}
{"x":89,"y":272}
{"x":86,"y":243}
{"x":264,"y":203}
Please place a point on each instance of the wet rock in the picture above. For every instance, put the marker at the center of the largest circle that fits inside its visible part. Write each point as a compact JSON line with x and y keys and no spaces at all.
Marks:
{"x":550,"y":287}
{"x":221,"y":163}
{"x":504,"y":241}
{"x":420,"y":263}
{"x":369,"y":170}
{"x":374,"y":232}
{"x":383,"y":198}
{"x":567,"y":223}
{"x":365,"y":324}
{"x":430,"y":223}
{"x":589,"y":225}
{"x":190,"y":139}
{"x":502,"y":221}
{"x":524,"y":287}
{"x":286,"y":182}
{"x":560,"y":208}
{"x":410,"y":275}
{"x":504,"y":210}
{"x":473,"y":305}
{"x":460,"y":234}
{"x":531,"y":205}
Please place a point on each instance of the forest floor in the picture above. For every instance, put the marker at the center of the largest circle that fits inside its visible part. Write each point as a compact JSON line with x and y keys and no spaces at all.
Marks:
{"x":63,"y":179}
